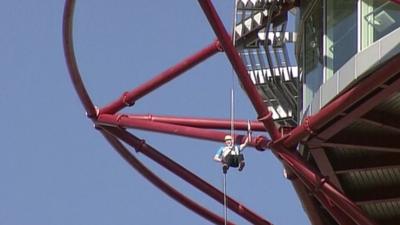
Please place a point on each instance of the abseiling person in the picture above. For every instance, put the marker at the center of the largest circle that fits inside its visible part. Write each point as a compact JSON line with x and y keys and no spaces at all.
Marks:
{"x":231,"y":155}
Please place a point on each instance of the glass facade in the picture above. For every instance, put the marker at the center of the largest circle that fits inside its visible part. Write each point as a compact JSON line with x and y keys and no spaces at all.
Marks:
{"x":313,"y":52}
{"x":333,"y":31}
{"x":378,"y":18}
{"x":341,"y":34}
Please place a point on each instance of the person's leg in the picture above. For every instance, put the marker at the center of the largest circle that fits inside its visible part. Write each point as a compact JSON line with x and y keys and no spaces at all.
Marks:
{"x":225,"y":168}
{"x":241,"y":162}
{"x":226,"y":161}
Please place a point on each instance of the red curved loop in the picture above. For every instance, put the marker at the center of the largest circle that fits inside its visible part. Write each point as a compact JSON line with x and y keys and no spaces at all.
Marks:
{"x":93,"y":113}
{"x":327,"y":194}
{"x":71,"y":60}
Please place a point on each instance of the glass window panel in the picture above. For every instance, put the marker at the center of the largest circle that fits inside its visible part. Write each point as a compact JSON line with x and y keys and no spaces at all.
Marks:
{"x":312,"y":52}
{"x":341,"y":33}
{"x":379,"y":17}
{"x":254,"y":59}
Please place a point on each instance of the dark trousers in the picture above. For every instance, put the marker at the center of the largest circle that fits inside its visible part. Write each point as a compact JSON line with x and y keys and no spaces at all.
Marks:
{"x":233,"y":160}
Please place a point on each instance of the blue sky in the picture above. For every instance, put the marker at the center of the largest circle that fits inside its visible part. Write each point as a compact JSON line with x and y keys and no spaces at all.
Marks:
{"x":55,"y":168}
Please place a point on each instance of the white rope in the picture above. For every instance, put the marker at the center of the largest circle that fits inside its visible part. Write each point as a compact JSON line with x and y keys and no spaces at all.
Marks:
{"x":233,"y":77}
{"x":233,"y":144}
{"x":225,"y":206}
{"x":232,"y":116}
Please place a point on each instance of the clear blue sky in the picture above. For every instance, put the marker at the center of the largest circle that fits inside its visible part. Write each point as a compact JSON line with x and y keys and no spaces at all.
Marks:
{"x":56,"y":169}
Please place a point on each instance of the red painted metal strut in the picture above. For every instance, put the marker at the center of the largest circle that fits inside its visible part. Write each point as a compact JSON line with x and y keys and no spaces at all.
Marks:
{"x":186,"y":175}
{"x":201,"y":122}
{"x":337,"y":213}
{"x":297,"y":165}
{"x":380,"y":82}
{"x":129,"y":98}
{"x":311,"y":179}
{"x":321,"y":185}
{"x":259,"y":142}
{"x":265,"y":116}
{"x":154,"y":179}
{"x":347,"y":99}
{"x":92,"y":113}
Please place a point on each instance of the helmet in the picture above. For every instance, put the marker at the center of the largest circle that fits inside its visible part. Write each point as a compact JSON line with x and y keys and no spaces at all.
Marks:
{"x":228,"y":137}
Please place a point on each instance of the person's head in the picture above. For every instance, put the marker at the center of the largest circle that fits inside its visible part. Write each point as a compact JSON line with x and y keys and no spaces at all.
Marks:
{"x":228,"y":140}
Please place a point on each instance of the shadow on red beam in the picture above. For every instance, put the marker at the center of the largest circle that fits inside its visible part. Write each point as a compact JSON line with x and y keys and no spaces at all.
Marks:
{"x":129,"y":98}
{"x":201,"y":122}
{"x":185,"y":174}
{"x":319,"y":185}
{"x":337,"y":214}
{"x":155,"y":180}
{"x":260,"y":142}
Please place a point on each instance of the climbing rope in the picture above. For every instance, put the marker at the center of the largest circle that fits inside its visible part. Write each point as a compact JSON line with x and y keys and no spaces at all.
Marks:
{"x":233,"y":144}
{"x":225,"y":206}
{"x":232,"y":116}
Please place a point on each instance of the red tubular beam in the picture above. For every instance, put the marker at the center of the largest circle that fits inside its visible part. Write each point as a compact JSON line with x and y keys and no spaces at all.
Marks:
{"x":201,"y":122}
{"x":117,"y":120}
{"x":158,"y":182}
{"x":265,"y":116}
{"x":317,"y":183}
{"x":344,"y":101}
{"x":300,"y":183}
{"x":186,"y":175}
{"x":130,"y":97}
{"x":338,"y":215}
{"x":71,"y":60}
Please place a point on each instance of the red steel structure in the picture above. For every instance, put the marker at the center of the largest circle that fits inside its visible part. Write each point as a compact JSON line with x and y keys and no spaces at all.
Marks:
{"x":113,"y":126}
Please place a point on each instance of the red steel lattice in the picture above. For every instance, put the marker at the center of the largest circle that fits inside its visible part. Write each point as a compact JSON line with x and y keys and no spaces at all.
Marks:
{"x":112,"y":125}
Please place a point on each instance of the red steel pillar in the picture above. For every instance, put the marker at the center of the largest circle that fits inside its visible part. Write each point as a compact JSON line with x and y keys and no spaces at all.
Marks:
{"x":297,"y":165}
{"x":265,"y":116}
